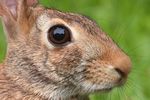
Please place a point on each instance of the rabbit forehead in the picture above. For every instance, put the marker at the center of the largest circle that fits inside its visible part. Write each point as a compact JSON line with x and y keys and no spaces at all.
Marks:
{"x":70,"y":19}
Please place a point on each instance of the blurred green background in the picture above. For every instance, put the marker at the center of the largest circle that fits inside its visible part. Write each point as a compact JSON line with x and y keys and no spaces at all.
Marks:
{"x":128,"y":23}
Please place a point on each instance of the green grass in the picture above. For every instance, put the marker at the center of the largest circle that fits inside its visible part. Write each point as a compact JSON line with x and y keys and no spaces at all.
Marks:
{"x":2,"y":44}
{"x":128,"y":23}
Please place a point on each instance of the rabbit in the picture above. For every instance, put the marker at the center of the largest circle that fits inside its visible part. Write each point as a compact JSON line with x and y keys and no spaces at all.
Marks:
{"x":54,"y":55}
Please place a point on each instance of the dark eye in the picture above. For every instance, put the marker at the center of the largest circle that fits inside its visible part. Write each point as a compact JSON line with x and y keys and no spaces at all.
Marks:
{"x":59,"y":35}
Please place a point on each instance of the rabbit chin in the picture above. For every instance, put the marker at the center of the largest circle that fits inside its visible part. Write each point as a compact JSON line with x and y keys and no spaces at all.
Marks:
{"x":85,"y":88}
{"x":88,"y":88}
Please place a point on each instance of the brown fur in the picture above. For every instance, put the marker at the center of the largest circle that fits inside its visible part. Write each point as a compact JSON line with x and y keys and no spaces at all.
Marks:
{"x":34,"y":69}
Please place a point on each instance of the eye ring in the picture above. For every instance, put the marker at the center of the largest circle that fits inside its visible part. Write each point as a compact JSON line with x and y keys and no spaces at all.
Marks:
{"x":59,"y":35}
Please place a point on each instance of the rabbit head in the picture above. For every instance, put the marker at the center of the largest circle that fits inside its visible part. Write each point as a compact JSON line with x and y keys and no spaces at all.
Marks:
{"x":59,"y":55}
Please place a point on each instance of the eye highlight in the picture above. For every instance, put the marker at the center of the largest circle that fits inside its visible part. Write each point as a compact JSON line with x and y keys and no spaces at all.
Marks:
{"x":59,"y":35}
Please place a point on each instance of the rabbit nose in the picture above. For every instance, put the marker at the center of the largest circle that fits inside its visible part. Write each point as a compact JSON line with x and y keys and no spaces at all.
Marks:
{"x":122,"y":65}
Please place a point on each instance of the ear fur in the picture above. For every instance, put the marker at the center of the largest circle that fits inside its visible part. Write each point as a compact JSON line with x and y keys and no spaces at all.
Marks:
{"x":15,"y":15}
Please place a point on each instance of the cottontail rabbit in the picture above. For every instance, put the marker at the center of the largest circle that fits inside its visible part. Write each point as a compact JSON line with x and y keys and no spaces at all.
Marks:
{"x":53,"y":55}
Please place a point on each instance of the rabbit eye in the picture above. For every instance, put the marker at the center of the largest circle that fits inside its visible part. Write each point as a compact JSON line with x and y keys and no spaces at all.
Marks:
{"x":59,"y":35}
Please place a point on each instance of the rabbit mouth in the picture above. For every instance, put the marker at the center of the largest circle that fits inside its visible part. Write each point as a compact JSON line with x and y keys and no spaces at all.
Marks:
{"x":88,"y":88}
{"x":103,"y":90}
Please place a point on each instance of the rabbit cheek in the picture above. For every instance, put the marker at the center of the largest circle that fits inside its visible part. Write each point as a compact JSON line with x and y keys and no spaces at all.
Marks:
{"x":66,"y":60}
{"x":98,"y":76}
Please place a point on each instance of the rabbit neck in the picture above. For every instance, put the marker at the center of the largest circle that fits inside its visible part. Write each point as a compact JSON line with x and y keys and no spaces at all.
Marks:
{"x":8,"y":90}
{"x":12,"y":91}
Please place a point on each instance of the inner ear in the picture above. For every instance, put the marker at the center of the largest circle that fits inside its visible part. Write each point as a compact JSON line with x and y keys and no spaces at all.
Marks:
{"x":11,"y":5}
{"x":14,"y":7}
{"x":15,"y":14}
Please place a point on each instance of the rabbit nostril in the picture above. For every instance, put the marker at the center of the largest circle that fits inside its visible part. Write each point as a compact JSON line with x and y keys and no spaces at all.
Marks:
{"x":122,"y":76}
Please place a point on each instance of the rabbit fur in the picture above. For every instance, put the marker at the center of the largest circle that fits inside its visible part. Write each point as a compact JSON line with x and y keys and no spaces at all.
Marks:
{"x":34,"y":69}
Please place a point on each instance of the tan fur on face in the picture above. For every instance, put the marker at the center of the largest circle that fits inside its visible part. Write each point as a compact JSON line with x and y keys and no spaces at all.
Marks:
{"x":35,"y":68}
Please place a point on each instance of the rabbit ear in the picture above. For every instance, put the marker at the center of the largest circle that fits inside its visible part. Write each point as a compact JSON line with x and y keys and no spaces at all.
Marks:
{"x":8,"y":7}
{"x":14,"y":14}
